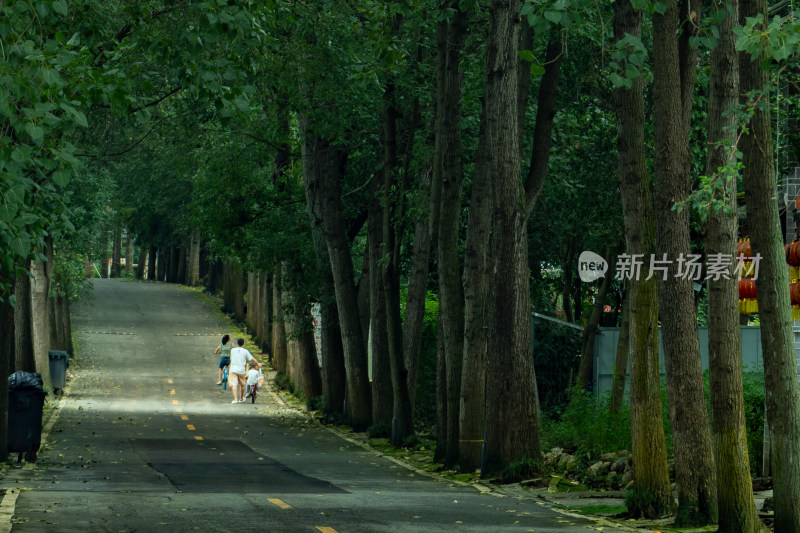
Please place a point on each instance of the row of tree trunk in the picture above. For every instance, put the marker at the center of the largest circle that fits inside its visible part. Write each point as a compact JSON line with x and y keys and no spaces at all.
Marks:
{"x":37,"y":322}
{"x":712,"y":468}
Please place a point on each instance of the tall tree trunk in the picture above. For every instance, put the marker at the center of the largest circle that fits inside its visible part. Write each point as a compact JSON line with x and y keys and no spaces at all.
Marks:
{"x":621,"y":362}
{"x":418,"y":286}
{"x":334,"y":376}
{"x":104,"y":263}
{"x":278,"y":325}
{"x":142,"y":264}
{"x":449,"y":172}
{"x":476,"y":292}
{"x":237,"y":290}
{"x":227,"y":287}
{"x":65,"y":325}
{"x":161,"y":264}
{"x":766,"y":239}
{"x":193,"y":270}
{"x":440,"y":453}
{"x":180,"y":269}
{"x":651,"y":476}
{"x":545,"y":112}
{"x":569,"y":265}
{"x":250,"y":314}
{"x":673,"y":88}
{"x":293,"y":331}
{"x":152,"y":258}
{"x":382,"y":399}
{"x":23,"y":329}
{"x":737,"y":510}
{"x":308,"y":366}
{"x":128,"y":253}
{"x":323,"y":169}
{"x":590,"y":330}
{"x":116,"y":257}
{"x":513,"y":428}
{"x":6,"y":361}
{"x":265,"y":299}
{"x":402,"y":414}
{"x":40,"y":315}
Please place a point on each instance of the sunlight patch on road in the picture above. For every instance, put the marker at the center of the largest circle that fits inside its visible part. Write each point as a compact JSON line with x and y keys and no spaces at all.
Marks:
{"x":279,"y":503}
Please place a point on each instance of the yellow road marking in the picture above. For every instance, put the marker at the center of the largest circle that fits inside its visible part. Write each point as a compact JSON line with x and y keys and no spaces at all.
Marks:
{"x":326,"y":529}
{"x":191,"y":427}
{"x":184,"y":417}
{"x":179,"y":410}
{"x":279,"y":503}
{"x":172,"y":391}
{"x":198,"y":437}
{"x":169,"y":381}
{"x":175,"y":402}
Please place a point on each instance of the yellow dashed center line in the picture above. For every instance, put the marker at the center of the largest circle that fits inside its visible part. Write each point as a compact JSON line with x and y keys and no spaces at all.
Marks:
{"x":198,"y":437}
{"x":191,"y":427}
{"x":172,"y":391}
{"x":175,"y":402}
{"x":170,"y":381}
{"x":279,"y":503}
{"x":326,"y":529}
{"x":184,"y":417}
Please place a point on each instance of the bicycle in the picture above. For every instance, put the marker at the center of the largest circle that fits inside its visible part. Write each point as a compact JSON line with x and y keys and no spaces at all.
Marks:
{"x":252,"y":392}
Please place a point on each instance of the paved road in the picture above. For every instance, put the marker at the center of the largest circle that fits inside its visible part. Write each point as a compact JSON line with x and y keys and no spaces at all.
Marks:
{"x":144,"y":441}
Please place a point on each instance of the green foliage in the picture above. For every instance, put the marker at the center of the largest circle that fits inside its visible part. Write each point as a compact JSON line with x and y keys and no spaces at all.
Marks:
{"x":379,"y":430}
{"x":585,"y":427}
{"x":284,"y":382}
{"x":628,"y":61}
{"x":556,"y":352}
{"x":778,"y":40}
{"x":753,"y":382}
{"x":317,"y":403}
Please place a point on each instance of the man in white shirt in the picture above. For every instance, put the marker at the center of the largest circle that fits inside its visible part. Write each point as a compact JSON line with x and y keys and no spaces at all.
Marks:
{"x":238,"y":369}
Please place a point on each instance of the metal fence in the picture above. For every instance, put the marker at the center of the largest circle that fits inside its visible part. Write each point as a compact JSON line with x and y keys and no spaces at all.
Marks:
{"x":605,"y":354}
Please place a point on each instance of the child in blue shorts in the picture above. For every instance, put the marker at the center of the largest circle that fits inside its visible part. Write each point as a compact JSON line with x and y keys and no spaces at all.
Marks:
{"x":224,"y":349}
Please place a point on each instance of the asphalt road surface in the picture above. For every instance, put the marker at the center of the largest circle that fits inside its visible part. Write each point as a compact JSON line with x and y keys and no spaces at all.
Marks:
{"x":144,"y":441}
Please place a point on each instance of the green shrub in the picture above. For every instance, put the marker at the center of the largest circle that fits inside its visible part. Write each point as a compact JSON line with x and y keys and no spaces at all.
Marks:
{"x":523,"y":469}
{"x":754,"y":418}
{"x":284,"y":382}
{"x":317,"y":403}
{"x":585,"y":428}
{"x":411,"y":442}
{"x":379,"y":430}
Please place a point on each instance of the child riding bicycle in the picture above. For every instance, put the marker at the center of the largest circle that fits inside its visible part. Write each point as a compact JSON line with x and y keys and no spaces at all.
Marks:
{"x":255,"y":378}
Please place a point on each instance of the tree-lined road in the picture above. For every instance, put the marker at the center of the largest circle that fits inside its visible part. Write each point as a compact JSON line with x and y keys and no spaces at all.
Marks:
{"x":145,"y":441}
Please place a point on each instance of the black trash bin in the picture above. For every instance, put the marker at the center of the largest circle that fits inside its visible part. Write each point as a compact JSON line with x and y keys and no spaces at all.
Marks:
{"x":25,"y":404}
{"x":59,"y":361}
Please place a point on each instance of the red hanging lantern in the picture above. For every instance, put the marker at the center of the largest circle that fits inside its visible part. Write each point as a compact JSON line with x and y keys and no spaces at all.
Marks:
{"x":743,"y":248}
{"x":794,"y":291}
{"x":747,"y":289}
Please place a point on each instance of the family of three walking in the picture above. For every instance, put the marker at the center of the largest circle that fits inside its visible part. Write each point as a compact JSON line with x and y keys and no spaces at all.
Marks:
{"x":237,"y":359}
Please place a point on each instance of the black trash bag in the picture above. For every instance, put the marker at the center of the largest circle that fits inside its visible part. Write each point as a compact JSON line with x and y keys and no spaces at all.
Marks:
{"x":30,"y":381}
